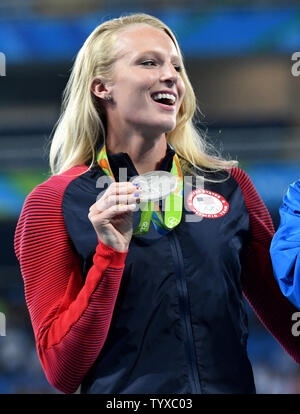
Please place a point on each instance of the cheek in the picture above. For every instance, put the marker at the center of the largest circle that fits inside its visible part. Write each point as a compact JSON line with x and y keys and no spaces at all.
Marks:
{"x":146,"y":82}
{"x":182,"y":89}
{"x":129,"y":86}
{"x":182,"y":93}
{"x":136,"y":92}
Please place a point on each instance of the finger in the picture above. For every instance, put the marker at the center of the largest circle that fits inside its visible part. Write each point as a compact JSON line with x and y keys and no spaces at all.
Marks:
{"x":105,"y":203}
{"x":112,"y":212}
{"x":115,"y":189}
{"x":111,"y":200}
{"x":113,"y":195}
{"x":119,"y":189}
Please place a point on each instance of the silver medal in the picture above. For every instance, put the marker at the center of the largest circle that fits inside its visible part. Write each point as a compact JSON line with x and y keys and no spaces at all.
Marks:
{"x":155,"y":185}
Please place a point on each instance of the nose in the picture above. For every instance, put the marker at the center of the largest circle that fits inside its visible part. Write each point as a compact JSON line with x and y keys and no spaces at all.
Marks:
{"x":169,"y":75}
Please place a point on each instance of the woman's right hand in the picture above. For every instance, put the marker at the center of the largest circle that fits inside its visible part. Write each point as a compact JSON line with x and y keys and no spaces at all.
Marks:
{"x":112,"y":215}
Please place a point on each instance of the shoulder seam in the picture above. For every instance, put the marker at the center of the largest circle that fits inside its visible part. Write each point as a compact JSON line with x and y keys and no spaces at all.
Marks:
{"x":58,"y":183}
{"x":256,"y":208}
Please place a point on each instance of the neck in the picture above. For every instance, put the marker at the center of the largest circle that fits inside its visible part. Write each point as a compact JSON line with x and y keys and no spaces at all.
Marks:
{"x":145,"y":154}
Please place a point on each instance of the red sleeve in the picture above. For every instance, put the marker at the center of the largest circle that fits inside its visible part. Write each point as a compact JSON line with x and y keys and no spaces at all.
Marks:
{"x":259,"y":284}
{"x":70,"y":318}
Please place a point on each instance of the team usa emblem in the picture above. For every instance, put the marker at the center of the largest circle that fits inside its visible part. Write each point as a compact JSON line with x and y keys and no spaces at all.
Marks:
{"x":207,"y":204}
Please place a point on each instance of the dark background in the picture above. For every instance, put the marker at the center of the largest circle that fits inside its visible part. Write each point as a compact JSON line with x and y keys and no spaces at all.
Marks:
{"x":238,"y":56}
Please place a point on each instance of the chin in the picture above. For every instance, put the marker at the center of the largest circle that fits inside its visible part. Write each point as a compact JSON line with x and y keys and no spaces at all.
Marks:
{"x":161,"y":128}
{"x":168,"y":126}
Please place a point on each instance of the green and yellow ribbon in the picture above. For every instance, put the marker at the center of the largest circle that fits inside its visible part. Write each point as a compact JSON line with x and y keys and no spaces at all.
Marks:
{"x":150,"y":210}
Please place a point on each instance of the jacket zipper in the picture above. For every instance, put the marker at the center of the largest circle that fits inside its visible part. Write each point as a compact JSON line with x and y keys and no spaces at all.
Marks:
{"x":185,"y":311}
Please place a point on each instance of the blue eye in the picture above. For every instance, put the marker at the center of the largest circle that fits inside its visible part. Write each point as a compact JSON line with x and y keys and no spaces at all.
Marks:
{"x":148,"y":63}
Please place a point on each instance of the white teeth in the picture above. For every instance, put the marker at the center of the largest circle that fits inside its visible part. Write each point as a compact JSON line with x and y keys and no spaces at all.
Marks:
{"x":159,"y":96}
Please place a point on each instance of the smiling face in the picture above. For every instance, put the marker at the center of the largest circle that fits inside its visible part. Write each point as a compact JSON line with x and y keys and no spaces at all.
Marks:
{"x":147,"y":88}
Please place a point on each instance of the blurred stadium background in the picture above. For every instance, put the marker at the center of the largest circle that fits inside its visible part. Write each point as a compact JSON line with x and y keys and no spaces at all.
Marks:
{"x":238,"y":56}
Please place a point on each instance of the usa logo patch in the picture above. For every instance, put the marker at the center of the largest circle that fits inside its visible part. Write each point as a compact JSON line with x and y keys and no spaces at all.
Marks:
{"x":207,"y":204}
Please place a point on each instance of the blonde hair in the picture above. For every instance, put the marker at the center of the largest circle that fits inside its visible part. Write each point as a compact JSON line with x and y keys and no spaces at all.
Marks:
{"x":80,"y":129}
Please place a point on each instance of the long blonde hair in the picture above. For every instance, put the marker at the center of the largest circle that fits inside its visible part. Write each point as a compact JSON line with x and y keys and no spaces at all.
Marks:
{"x":80,"y":129}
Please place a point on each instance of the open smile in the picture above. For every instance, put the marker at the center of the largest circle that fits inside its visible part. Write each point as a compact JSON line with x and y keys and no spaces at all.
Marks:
{"x":165,"y":100}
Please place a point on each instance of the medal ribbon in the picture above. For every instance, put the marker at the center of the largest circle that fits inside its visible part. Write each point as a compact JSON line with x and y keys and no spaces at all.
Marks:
{"x":150,"y":210}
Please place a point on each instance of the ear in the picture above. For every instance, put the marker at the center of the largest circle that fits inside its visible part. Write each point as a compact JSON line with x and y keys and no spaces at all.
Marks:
{"x":99,"y":89}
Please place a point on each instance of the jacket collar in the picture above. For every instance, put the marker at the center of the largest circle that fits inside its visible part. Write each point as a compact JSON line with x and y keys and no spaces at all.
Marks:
{"x":122,"y":160}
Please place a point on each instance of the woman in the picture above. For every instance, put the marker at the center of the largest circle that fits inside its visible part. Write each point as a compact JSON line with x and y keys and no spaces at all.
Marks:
{"x":123,"y":301}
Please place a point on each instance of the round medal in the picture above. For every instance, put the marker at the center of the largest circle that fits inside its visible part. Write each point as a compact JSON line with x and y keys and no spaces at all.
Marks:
{"x":155,"y":185}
